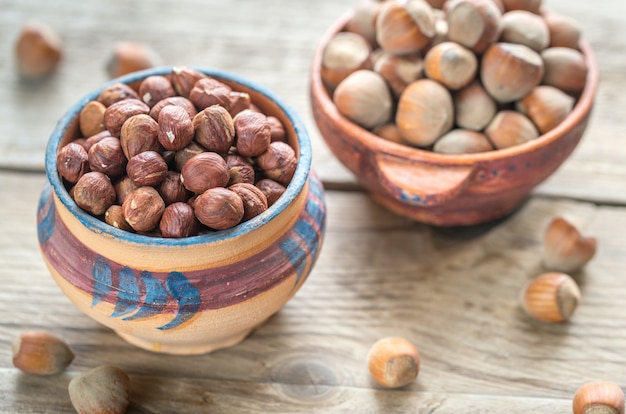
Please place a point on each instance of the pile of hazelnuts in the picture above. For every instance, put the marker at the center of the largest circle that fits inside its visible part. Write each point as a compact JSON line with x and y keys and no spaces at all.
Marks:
{"x":176,"y":156}
{"x":455,"y":76}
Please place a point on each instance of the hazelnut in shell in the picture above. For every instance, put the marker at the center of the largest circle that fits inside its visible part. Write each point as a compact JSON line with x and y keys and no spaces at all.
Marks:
{"x":551,"y":297}
{"x":462,"y":141}
{"x":405,"y":27}
{"x":546,"y":106}
{"x":104,"y":389}
{"x":393,"y":362}
{"x":509,"y":128}
{"x":41,"y":353}
{"x":565,"y":69}
{"x":425,"y":112}
{"x":345,"y":53}
{"x":599,"y":397}
{"x":525,"y":28}
{"x":474,"y":108}
{"x":565,"y":249}
{"x":533,"y":6}
{"x":399,"y":71}
{"x":127,"y":57}
{"x":365,"y":99}
{"x":474,"y":24}
{"x":451,"y":64}
{"x":363,"y":21}
{"x":510,"y":71}
{"x":564,"y":30}
{"x":38,"y":50}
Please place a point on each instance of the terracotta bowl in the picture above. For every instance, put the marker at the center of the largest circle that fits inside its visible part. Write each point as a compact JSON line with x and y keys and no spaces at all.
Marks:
{"x":443,"y":189}
{"x":191,"y":295}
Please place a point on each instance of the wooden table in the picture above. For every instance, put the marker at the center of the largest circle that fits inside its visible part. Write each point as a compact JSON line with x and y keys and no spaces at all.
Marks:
{"x":452,"y":291}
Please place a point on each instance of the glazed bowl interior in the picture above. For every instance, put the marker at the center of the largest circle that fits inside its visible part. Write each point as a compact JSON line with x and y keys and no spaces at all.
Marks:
{"x":297,"y":136}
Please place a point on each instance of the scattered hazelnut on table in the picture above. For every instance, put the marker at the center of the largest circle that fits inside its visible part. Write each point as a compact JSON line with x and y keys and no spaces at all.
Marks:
{"x":601,"y":397}
{"x":551,"y":297}
{"x":393,"y":362}
{"x":565,"y":249}
{"x":38,"y":50}
{"x":127,"y":57}
{"x":104,"y":389}
{"x":41,"y":353}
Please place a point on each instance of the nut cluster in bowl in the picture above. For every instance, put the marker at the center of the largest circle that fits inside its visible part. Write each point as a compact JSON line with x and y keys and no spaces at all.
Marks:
{"x":455,"y":76}
{"x":183,"y":154}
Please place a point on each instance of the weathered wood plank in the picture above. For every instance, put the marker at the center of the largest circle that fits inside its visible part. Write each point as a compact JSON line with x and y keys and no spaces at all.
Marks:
{"x":452,"y":291}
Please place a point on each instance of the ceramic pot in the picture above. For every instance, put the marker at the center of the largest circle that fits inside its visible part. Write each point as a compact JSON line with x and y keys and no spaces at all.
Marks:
{"x":190,"y":295}
{"x":444,"y":189}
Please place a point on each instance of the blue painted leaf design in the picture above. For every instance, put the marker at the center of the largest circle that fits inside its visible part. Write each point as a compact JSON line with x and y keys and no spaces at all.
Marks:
{"x":296,"y":256}
{"x":101,"y":280}
{"x":156,"y":297}
{"x":187,"y":296}
{"x":128,"y":294}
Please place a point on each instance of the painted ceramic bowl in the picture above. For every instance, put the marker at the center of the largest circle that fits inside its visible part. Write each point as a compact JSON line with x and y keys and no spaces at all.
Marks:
{"x":444,"y":189}
{"x":190,"y":295}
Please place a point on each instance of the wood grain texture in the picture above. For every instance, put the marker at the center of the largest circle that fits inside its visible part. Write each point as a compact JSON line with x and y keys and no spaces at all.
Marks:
{"x":272,"y":44}
{"x":452,"y":291}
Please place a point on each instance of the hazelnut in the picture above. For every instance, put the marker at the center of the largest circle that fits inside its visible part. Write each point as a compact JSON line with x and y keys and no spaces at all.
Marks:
{"x":89,"y":142}
{"x":41,"y":353}
{"x":104,"y":389}
{"x":271,"y":189}
{"x":390,"y":132}
{"x":238,"y":102}
{"x":277,"y":129}
{"x":510,"y":128}
{"x":254,"y":201}
{"x":182,"y":156}
{"x":405,"y":27}
{"x":175,"y":128}
{"x":239,"y":170}
{"x":117,"y":113}
{"x":546,"y":106}
{"x":474,"y":108}
{"x":551,"y":297}
{"x":155,"y":88}
{"x":114,"y":216}
{"x":437,"y":4}
{"x":115,"y":93}
{"x":399,"y":71}
{"x":451,"y":64}
{"x":72,"y":162}
{"x":565,"y":69}
{"x":510,"y":72}
{"x":525,"y":28}
{"x":208,"y":92}
{"x":214,"y":129}
{"x":345,"y":53}
{"x":123,"y":187}
{"x":143,"y":208}
{"x":106,"y":156}
{"x":253,"y":133}
{"x":172,"y":189}
{"x":564,"y":30}
{"x":219,"y":208}
{"x":462,"y":141}
{"x":474,"y":24}
{"x":147,"y":168}
{"x":91,"y":118}
{"x":279,"y":162}
{"x":178,"y":220}
{"x":184,"y":103}
{"x":565,"y":249}
{"x":94,"y":193}
{"x":139,"y":134}
{"x":393,"y":362}
{"x":127,"y":57}
{"x":38,"y":50}
{"x":203,"y":171}
{"x":184,"y":78}
{"x":425,"y":112}
{"x":365,"y":99}
{"x":363,"y":20}
{"x":601,"y":397}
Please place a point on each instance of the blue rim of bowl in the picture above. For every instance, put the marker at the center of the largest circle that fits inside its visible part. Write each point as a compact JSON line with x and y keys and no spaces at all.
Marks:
{"x":96,"y":225}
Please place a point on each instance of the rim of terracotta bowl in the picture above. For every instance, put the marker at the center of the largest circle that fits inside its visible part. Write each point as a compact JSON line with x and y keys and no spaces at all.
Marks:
{"x":96,"y":225}
{"x":581,"y":109}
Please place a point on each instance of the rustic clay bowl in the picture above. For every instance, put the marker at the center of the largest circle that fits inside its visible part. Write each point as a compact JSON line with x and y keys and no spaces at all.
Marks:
{"x":192,"y":295}
{"x":443,"y":189}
